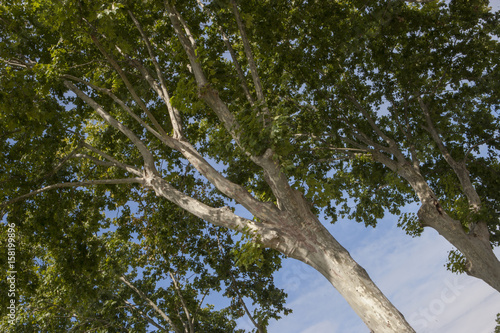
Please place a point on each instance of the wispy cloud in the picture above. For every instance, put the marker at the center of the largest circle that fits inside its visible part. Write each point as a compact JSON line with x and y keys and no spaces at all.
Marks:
{"x":409,"y":271}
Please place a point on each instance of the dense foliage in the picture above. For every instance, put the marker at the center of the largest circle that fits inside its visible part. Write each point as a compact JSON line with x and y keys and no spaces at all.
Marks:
{"x":350,"y":109}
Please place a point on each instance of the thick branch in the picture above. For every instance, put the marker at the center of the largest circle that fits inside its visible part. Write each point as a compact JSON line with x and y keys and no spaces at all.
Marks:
{"x":236,"y":192}
{"x":230,"y":189}
{"x":223,"y":217}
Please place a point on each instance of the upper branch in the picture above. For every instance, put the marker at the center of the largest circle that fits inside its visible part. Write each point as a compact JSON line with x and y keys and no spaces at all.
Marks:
{"x":459,"y":168}
{"x":248,"y":52}
{"x":236,"y":63}
{"x":146,"y":154}
{"x":273,"y":174}
{"x":407,"y":133}
{"x":164,"y":138}
{"x":127,"y":83}
{"x":175,"y":116}
{"x":393,"y":147}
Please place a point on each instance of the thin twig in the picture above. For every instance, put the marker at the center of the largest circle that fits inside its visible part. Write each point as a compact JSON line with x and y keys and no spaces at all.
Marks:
{"x":145,"y":316}
{"x":74,"y":184}
{"x":183,"y":302}
{"x":151,"y":303}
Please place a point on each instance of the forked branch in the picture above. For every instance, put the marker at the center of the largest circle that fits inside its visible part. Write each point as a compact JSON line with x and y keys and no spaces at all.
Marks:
{"x":151,"y":303}
{"x":459,"y":168}
{"x":146,"y":154}
{"x":174,"y":114}
{"x":127,"y":83}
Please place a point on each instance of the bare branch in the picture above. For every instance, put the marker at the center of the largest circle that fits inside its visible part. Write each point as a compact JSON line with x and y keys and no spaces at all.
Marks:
{"x":183,"y":302}
{"x":145,"y":316}
{"x":129,"y":86}
{"x":146,"y":154}
{"x":175,"y":116}
{"x":151,"y":303}
{"x":115,"y":162}
{"x":75,"y":184}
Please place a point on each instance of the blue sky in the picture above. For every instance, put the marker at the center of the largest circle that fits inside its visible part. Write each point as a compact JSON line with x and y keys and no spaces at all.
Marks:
{"x":411,"y":273}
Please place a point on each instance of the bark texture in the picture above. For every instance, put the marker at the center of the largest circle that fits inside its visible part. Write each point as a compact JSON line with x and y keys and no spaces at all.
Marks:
{"x":295,"y":231}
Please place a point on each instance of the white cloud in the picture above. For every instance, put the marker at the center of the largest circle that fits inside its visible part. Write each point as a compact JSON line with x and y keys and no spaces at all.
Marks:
{"x":495,"y":5}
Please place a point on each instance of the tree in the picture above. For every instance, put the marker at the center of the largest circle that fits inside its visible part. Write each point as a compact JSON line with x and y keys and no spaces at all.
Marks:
{"x":126,"y":97}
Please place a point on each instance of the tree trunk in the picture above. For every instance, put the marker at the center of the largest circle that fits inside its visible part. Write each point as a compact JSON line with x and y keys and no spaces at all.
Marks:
{"x":296,"y":232}
{"x":319,"y":249}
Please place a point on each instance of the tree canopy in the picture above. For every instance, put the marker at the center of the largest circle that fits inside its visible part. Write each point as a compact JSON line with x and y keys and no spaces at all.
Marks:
{"x":173,"y":114}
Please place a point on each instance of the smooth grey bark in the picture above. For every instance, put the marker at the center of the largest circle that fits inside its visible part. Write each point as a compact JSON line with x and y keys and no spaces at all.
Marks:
{"x":296,"y":232}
